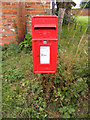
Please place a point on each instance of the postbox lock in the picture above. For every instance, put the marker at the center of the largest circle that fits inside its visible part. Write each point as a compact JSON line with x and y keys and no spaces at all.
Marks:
{"x":45,"y":42}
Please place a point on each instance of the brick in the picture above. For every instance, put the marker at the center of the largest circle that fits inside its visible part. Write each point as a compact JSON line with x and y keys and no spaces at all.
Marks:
{"x":11,"y":10}
{"x":13,"y":3}
{"x":38,"y":3}
{"x":7,"y":40}
{"x":28,"y":12}
{"x":14,"y":13}
{"x":7,"y":3}
{"x":7,"y":13}
{"x":28,"y":3}
{"x":2,"y":37}
{"x":35,"y":12}
{"x":7,"y":16}
{"x":6,"y":6}
{"x":30,"y":9}
{"x":28,"y":18}
{"x":9,"y":21}
{"x":38,"y":6}
{"x":39,"y":9}
{"x":6,"y":33}
{"x":4,"y":21}
{"x":47,"y":6}
{"x":4,"y":10}
{"x":48,"y":3}
{"x":27,"y":6}
{"x":33,"y":6}
{"x":11,"y":35}
{"x":32,"y":3}
{"x":42,"y":13}
{"x":3,"y":3}
{"x":4,"y":27}
{"x":14,"y":7}
{"x":3,"y":16}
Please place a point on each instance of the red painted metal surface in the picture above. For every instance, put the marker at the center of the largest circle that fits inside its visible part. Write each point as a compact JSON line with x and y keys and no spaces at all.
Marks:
{"x":44,"y":43}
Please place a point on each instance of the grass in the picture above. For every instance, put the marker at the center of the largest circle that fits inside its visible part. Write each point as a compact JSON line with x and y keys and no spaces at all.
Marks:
{"x":63,"y":94}
{"x":74,"y":41}
{"x":83,"y":19}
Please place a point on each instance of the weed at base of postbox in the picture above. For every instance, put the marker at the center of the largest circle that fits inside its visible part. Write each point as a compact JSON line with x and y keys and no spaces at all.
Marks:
{"x":27,"y":43}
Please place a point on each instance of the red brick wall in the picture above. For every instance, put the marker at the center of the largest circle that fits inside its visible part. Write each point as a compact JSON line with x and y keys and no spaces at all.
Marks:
{"x":35,"y":8}
{"x":81,"y":12}
{"x":9,"y":18}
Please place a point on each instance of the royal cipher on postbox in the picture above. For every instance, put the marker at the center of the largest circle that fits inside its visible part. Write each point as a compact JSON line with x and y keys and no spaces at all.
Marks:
{"x":44,"y":43}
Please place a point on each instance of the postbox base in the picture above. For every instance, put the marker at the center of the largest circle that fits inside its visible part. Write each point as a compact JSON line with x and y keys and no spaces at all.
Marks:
{"x":44,"y":71}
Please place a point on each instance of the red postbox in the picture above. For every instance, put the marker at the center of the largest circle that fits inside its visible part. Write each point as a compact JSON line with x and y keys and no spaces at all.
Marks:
{"x":44,"y":43}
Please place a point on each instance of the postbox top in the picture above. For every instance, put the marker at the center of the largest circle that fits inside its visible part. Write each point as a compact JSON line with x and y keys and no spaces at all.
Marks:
{"x":44,"y":27}
{"x":45,"y":20}
{"x":44,"y":16}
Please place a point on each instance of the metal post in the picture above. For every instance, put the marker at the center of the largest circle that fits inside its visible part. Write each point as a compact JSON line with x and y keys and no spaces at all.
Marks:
{"x":53,"y":7}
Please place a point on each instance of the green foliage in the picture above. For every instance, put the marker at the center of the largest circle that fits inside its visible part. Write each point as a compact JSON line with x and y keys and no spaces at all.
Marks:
{"x":84,"y":4}
{"x":13,"y":75}
{"x":5,"y":47}
{"x":67,"y":110}
{"x":27,"y":43}
{"x":10,"y":50}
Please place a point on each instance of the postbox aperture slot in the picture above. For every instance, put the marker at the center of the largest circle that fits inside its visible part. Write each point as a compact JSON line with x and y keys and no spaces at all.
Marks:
{"x":44,"y":26}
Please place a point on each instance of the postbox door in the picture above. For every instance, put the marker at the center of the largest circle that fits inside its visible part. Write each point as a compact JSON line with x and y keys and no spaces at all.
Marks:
{"x":46,"y":56}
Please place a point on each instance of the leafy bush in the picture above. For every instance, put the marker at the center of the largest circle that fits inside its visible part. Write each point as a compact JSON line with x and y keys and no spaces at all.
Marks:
{"x":27,"y":43}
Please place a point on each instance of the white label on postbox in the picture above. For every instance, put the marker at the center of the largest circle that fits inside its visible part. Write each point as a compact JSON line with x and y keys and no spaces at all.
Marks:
{"x":44,"y":54}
